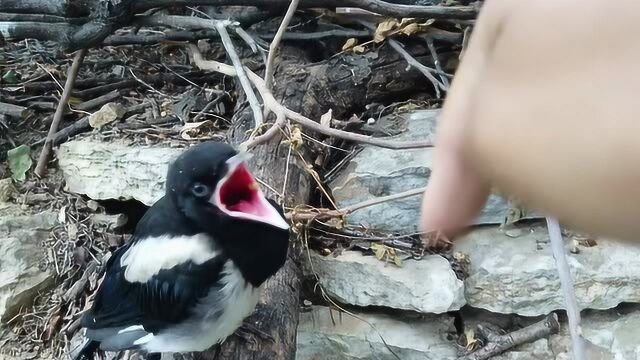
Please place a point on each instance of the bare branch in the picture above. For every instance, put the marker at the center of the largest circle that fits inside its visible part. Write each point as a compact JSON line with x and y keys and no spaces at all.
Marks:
{"x":568,"y":291}
{"x":268,"y":74}
{"x":241,"y":74}
{"x":273,"y":105}
{"x":64,"y":99}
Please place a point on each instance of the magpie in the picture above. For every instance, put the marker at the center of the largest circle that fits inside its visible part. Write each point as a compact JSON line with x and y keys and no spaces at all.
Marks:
{"x":193,"y":269}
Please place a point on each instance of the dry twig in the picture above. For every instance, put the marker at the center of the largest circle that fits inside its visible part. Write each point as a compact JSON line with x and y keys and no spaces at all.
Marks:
{"x":323,"y":214}
{"x":568,"y":291}
{"x":272,"y":104}
{"x":57,"y":117}
{"x":268,"y":74}
{"x":497,"y":343}
{"x":240,"y":73}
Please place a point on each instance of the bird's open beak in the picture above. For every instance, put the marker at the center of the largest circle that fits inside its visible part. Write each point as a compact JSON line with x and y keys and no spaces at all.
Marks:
{"x":238,"y":195}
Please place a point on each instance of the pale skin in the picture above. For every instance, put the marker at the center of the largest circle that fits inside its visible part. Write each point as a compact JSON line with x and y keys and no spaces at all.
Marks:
{"x":545,"y":107}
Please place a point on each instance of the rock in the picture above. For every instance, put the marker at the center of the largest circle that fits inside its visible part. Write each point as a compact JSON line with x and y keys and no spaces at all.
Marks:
{"x":610,"y":334}
{"x":376,"y":172}
{"x":108,"y":113}
{"x":518,"y":275}
{"x":422,"y":338}
{"x":115,"y":170}
{"x":428,"y":285}
{"x":21,"y":255}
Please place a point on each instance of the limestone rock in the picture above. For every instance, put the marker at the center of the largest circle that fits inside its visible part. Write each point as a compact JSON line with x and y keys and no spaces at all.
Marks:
{"x":518,"y":275}
{"x":114,"y":170}
{"x":21,"y":255}
{"x":417,"y":338}
{"x":376,"y":172}
{"x":428,"y":285}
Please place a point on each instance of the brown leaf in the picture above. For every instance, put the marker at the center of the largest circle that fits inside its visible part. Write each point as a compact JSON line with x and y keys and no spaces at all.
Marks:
{"x":410,"y":29}
{"x":351,"y":42}
{"x":191,"y":131}
{"x":360,"y":49}
{"x":384,"y":29}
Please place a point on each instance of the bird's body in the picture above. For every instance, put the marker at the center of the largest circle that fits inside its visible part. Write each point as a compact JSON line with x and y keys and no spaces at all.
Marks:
{"x":193,"y":270}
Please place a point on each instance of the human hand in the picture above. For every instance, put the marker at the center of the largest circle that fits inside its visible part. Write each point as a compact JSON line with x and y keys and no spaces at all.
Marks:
{"x":543,"y":107}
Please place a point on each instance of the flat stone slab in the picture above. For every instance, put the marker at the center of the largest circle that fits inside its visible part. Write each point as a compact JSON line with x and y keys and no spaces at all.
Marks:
{"x":21,"y":257}
{"x":377,"y":172}
{"x":428,"y":285}
{"x":518,"y":275}
{"x":351,"y":338}
{"x":115,"y":170}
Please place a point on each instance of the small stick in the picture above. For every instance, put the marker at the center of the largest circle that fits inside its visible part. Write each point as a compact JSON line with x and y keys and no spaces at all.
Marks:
{"x":566,"y":282}
{"x":497,"y":344}
{"x":57,"y":117}
{"x":268,"y":74}
{"x":240,"y":72}
{"x":323,"y":214}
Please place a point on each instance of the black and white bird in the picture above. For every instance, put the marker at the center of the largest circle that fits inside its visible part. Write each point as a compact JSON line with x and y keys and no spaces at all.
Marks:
{"x":193,"y":269}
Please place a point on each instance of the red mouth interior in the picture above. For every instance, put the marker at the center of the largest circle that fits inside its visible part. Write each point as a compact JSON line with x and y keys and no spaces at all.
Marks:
{"x":240,"y":193}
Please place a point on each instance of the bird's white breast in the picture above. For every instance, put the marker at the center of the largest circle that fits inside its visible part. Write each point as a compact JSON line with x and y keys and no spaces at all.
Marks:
{"x":217,"y":316}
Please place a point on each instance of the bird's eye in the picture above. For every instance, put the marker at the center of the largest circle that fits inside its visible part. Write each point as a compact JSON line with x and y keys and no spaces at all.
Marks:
{"x":200,"y":190}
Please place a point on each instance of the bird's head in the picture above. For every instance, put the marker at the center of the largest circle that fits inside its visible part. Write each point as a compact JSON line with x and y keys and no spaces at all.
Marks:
{"x":211,"y":185}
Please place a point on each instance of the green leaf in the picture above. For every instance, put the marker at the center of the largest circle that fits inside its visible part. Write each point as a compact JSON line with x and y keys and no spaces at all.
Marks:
{"x":19,"y":162}
{"x":10,"y":77}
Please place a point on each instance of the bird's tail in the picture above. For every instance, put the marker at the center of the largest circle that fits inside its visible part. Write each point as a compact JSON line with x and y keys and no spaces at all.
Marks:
{"x":87,"y":351}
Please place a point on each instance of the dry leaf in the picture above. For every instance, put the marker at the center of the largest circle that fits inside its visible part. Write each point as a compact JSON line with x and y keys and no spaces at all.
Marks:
{"x":384,"y":29}
{"x":360,"y":49}
{"x":195,"y":130}
{"x":295,"y":138}
{"x":349,"y":44}
{"x":325,"y":119}
{"x":379,"y":250}
{"x":472,"y":341}
{"x":410,"y":29}
{"x":397,"y":260}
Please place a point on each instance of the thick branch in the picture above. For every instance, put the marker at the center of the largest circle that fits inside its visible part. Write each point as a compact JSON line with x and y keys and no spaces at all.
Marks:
{"x":377,"y":6}
{"x":66,"y":94}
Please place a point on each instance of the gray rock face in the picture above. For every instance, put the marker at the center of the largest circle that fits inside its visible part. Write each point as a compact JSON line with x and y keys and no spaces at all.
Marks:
{"x":114,"y":170}
{"x":610,"y":335}
{"x":428,"y":285}
{"x":21,"y":255}
{"x":518,"y":275}
{"x":351,"y":338}
{"x":376,"y":172}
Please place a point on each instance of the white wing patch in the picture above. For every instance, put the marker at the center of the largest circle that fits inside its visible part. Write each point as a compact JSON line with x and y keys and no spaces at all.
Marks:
{"x":150,"y":255}
{"x":217,"y":316}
